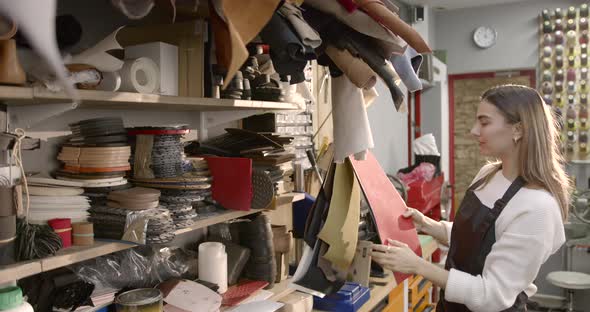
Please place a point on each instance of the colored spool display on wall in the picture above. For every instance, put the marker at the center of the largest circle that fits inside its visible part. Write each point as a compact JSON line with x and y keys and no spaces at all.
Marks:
{"x":563,"y":70}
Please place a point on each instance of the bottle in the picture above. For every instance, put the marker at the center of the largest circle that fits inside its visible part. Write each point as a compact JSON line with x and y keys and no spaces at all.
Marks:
{"x":11,"y":300}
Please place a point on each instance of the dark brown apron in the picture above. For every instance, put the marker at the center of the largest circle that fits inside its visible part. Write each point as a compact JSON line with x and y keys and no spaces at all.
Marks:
{"x":472,"y":237}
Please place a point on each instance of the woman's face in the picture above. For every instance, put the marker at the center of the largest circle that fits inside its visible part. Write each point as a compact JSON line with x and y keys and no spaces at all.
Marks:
{"x":493,"y":133}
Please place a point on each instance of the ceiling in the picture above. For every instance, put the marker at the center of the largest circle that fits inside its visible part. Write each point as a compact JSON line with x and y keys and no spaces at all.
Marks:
{"x":459,"y":4}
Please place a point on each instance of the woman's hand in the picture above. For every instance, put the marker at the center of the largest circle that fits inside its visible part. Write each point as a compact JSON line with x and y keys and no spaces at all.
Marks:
{"x":397,"y":257}
{"x":417,"y":217}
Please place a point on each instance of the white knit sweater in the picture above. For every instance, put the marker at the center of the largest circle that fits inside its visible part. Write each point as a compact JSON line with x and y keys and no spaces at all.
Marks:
{"x":528,"y":231}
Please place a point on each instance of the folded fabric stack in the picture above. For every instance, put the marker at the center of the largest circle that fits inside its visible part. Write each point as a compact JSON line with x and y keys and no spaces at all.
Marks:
{"x":114,"y":220}
{"x":50,"y":198}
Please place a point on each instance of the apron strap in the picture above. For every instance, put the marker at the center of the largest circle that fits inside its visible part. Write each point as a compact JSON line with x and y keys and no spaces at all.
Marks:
{"x":516,"y":185}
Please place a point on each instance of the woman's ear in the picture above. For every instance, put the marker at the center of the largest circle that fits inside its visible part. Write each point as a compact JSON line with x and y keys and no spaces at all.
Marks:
{"x":517,"y":131}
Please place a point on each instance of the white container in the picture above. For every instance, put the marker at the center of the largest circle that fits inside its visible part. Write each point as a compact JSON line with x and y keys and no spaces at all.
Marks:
{"x":213,"y":264}
{"x":25,"y":307}
{"x":166,"y":57}
{"x":11,"y":300}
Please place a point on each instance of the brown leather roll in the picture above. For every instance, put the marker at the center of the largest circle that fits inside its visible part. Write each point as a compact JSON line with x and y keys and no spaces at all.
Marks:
{"x":7,"y":227}
{"x":83,"y":233}
{"x":7,"y":207}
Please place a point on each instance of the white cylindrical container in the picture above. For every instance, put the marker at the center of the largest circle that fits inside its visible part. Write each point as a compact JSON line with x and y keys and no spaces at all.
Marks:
{"x":213,"y":264}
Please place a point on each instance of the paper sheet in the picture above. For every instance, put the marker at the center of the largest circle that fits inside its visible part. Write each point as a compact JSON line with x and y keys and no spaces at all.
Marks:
{"x":98,"y":57}
{"x":191,"y":296}
{"x":258,"y":306}
{"x":36,"y":19}
{"x":352,"y":131}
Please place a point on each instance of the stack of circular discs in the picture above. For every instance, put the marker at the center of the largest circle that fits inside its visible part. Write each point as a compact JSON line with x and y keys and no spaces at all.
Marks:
{"x":167,"y":151}
{"x":50,"y":198}
{"x":97,"y":153}
{"x":110,"y":219}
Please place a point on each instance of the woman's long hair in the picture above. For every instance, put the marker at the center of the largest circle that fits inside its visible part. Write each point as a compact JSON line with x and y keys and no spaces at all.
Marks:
{"x":540,"y":160}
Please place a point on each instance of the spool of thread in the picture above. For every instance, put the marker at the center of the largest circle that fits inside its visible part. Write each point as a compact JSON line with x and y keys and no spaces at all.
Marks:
{"x":140,"y":75}
{"x":63,"y":228}
{"x":213,"y":264}
{"x":83,"y":233}
{"x":111,"y":81}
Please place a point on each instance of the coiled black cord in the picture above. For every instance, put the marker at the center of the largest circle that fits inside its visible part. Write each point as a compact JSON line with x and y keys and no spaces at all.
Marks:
{"x":35,"y":241}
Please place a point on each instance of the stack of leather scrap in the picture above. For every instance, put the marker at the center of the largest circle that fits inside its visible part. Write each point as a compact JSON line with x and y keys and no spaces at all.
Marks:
{"x":360,"y":42}
{"x":124,"y":207}
{"x":50,"y":198}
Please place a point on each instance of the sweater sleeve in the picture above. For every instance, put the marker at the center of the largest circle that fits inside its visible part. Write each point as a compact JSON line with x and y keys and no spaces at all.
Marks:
{"x":512,"y":264}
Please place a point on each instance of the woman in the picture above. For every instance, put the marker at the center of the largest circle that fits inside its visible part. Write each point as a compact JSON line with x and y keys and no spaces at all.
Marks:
{"x":511,"y":219}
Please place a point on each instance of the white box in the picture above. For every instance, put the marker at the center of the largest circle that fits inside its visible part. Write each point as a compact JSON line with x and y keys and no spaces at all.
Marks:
{"x":165,"y":56}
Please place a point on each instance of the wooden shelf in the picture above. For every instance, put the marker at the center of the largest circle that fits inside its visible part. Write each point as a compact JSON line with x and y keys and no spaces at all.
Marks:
{"x":63,"y":258}
{"x":21,"y":96}
{"x":230,"y":215}
{"x":77,"y":254}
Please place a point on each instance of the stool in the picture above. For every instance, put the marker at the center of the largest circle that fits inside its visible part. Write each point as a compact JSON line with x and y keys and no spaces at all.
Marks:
{"x":569,"y":281}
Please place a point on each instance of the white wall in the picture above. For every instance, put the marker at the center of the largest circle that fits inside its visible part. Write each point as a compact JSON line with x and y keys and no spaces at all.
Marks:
{"x":517,"y":26}
{"x":390,"y":131}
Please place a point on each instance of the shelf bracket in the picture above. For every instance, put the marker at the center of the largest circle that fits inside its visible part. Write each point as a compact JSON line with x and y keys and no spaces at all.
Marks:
{"x":27,"y":116}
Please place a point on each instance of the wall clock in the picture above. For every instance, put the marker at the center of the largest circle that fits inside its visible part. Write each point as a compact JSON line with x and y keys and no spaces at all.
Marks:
{"x":485,"y":37}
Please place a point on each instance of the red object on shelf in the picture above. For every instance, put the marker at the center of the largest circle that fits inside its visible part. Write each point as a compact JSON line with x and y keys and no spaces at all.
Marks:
{"x":63,"y":228}
{"x":238,"y":293}
{"x":425,"y":196}
{"x":232,"y":182}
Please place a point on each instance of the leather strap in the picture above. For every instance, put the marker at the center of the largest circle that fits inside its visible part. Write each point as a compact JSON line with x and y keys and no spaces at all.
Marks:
{"x":516,"y":185}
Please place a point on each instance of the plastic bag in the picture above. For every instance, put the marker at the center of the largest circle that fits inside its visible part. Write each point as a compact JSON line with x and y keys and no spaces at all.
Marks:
{"x":140,"y":267}
{"x":424,"y":172}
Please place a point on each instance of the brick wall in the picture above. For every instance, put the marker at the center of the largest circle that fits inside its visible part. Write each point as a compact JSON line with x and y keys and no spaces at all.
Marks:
{"x":467,"y":159}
